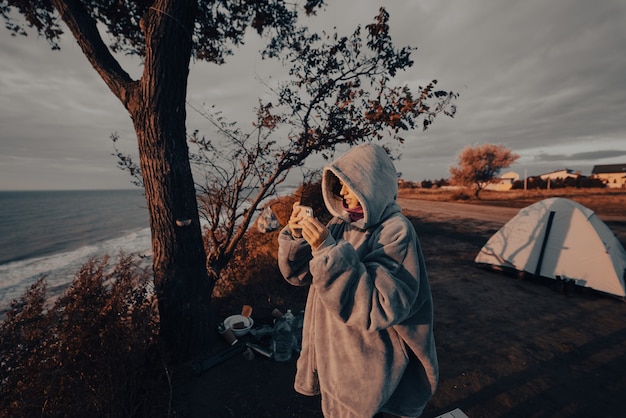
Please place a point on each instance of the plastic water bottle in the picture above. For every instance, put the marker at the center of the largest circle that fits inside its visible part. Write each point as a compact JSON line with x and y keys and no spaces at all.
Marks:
{"x":282,"y":338}
{"x":289,"y":317}
{"x":293,"y":323}
{"x":297,"y":331}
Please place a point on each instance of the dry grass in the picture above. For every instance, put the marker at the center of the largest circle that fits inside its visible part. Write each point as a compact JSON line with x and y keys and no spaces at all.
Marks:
{"x":601,"y":201}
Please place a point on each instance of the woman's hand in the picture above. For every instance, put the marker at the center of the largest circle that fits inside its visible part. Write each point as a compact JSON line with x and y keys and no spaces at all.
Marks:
{"x":313,"y":231}
{"x":297,"y":214}
{"x":305,"y":226}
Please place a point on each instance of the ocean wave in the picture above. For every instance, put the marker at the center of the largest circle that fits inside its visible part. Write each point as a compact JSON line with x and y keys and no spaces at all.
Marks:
{"x":17,"y":276}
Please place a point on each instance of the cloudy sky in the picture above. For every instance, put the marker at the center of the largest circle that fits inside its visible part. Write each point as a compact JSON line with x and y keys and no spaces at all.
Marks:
{"x":546,"y":79}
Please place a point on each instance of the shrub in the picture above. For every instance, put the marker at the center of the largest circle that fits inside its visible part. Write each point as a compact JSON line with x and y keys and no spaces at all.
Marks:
{"x":559,"y":183}
{"x":427,"y":184}
{"x":461,"y":196}
{"x":92,"y":353}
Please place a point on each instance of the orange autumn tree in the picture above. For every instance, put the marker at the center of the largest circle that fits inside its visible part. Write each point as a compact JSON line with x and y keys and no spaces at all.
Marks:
{"x":478,"y":165}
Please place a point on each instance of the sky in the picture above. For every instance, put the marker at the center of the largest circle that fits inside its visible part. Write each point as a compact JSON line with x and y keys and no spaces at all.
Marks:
{"x":546,"y":79}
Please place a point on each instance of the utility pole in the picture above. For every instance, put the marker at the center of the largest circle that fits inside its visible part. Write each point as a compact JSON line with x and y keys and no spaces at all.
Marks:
{"x":525,"y":179}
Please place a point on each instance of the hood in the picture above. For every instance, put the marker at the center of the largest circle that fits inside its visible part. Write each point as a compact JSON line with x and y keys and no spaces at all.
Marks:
{"x":369,"y":172}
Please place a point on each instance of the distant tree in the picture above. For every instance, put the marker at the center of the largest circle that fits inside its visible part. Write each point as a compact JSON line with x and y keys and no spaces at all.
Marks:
{"x":478,"y":165}
{"x":442,"y":182}
{"x":429,"y":184}
{"x":531,"y":183}
{"x":588,"y":182}
{"x":579,"y":182}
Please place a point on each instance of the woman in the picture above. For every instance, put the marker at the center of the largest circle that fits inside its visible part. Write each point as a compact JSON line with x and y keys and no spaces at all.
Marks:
{"x":368,"y":344}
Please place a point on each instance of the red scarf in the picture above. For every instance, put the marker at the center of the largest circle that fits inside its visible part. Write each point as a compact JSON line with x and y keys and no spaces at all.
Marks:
{"x":354,"y":213}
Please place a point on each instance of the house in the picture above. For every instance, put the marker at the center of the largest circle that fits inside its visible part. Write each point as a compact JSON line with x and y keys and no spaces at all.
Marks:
{"x":504,"y":182}
{"x":560,"y":174}
{"x":613,"y":175}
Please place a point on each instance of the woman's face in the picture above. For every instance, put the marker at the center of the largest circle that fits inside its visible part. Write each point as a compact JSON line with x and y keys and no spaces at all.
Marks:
{"x":348,"y":196}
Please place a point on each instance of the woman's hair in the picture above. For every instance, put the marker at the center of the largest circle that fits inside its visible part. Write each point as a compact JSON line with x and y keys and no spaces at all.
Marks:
{"x":334,"y":184}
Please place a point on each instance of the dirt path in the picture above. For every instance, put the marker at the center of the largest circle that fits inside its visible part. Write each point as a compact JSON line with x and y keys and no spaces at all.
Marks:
{"x":484,"y":217}
{"x":447,"y":211}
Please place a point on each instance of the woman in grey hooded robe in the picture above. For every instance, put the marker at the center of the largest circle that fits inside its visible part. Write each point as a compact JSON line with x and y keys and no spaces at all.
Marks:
{"x":368,"y":344}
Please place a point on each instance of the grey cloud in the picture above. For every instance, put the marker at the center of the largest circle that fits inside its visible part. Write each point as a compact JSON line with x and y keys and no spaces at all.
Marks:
{"x":581,"y":156}
{"x":545,"y":79}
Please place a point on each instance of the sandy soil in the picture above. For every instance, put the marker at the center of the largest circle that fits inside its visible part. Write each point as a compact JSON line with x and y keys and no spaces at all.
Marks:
{"x":507,"y":346}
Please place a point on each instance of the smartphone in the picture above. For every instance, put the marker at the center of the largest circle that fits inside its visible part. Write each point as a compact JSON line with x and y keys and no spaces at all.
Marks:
{"x":306,"y":210}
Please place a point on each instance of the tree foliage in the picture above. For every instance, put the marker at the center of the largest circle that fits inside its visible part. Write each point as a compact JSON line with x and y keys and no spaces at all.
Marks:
{"x":218,"y":25}
{"x":340,"y":91}
{"x":478,"y":165}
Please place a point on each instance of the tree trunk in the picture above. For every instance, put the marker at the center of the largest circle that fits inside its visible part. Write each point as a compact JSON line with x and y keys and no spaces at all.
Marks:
{"x":181,"y":281}
{"x":156,"y":103}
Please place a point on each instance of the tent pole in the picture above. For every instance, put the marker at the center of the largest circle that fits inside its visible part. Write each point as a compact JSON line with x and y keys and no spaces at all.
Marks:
{"x":544,"y":244}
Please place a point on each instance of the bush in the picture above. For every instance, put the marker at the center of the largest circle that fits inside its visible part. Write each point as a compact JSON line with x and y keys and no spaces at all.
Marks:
{"x":559,"y":183}
{"x":92,"y":353}
{"x":461,"y":196}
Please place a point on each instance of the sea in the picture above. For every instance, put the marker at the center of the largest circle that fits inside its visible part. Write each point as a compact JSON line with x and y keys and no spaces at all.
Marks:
{"x":53,"y":233}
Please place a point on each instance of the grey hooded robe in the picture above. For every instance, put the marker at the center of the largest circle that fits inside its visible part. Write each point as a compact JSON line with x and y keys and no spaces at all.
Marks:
{"x":368,"y":340}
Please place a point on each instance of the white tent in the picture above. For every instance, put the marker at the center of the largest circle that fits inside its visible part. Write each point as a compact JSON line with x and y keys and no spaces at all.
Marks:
{"x":559,"y":238}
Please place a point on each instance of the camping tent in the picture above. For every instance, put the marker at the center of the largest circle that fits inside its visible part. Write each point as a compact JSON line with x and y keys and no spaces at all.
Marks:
{"x":559,"y":238}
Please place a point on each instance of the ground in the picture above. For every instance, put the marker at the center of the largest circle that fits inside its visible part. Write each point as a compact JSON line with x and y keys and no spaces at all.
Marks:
{"x":507,"y":346}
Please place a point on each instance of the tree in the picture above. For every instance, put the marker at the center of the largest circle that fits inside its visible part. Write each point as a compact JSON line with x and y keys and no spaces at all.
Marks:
{"x":167,"y":33}
{"x":478,"y":165}
{"x":339,"y":93}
